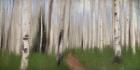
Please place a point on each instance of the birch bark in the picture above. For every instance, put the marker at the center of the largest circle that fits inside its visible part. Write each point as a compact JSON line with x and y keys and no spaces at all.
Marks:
{"x":116,"y":28}
{"x":26,"y":21}
{"x":132,"y":28}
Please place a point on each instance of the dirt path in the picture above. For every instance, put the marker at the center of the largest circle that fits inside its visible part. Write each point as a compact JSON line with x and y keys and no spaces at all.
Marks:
{"x":73,"y":63}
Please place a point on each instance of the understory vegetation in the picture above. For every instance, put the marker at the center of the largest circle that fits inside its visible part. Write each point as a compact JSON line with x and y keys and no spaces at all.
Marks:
{"x":91,"y":59}
{"x":95,"y":60}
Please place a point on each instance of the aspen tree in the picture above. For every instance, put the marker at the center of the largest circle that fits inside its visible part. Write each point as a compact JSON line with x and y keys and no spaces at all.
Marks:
{"x":1,"y":6}
{"x":127,"y":24}
{"x":133,"y":28}
{"x":49,"y":25}
{"x":116,"y":30}
{"x":26,"y":21}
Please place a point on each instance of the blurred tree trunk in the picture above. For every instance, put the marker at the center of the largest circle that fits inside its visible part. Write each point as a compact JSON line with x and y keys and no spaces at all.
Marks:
{"x":96,"y":16}
{"x":133,"y":27}
{"x":88,"y":22}
{"x":138,"y":24}
{"x":84,"y":28}
{"x":85,"y":22}
{"x":41,"y":26}
{"x":122,"y":23}
{"x":101,"y":23}
{"x":26,"y":21}
{"x":116,"y":29}
{"x":35,"y":31}
{"x":14,"y":40}
{"x":50,"y":6}
{"x":1,"y":16}
{"x":7,"y":19}
{"x":18,"y":22}
{"x":127,"y":22}
{"x":104,"y":23}
{"x":93,"y":35}
{"x":61,"y":24}
{"x":66,"y":23}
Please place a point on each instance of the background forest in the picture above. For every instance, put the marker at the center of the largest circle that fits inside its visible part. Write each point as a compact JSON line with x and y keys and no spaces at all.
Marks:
{"x":94,"y":33}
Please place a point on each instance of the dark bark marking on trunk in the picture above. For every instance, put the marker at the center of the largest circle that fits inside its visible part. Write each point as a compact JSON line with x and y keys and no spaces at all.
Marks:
{"x":26,"y":37}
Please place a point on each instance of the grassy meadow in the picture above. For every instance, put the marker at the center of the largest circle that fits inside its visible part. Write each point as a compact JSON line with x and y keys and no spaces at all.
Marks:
{"x":90,"y":59}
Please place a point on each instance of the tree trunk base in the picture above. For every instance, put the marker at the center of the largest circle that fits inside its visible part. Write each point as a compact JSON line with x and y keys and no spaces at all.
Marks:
{"x":117,"y":59}
{"x":59,"y":59}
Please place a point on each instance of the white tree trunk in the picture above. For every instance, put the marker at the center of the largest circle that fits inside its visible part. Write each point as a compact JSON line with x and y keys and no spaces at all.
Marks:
{"x":122,"y":22}
{"x":116,"y":28}
{"x":7,"y":20}
{"x":41,"y":26}
{"x":26,"y":21}
{"x":96,"y":22}
{"x":62,"y":23}
{"x":132,"y":28}
{"x":8,"y":28}
{"x":14,"y":29}
{"x":100,"y":32}
{"x":49,"y":24}
{"x":66,"y":23}
{"x":126,"y":19}
{"x":1,"y":6}
{"x":17,"y":27}
{"x":35,"y":24}
{"x":101,"y":23}
{"x":93,"y":23}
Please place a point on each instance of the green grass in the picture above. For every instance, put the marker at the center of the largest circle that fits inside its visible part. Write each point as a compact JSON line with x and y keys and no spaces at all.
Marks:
{"x":37,"y":61}
{"x":95,"y":60}
{"x":9,"y":61}
{"x":42,"y":62}
{"x":91,"y":60}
